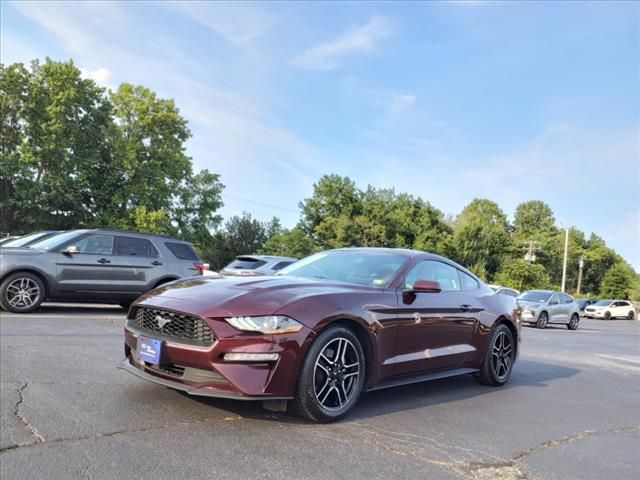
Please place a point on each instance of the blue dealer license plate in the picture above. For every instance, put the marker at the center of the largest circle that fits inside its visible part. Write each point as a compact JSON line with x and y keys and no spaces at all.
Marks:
{"x":149,"y":350}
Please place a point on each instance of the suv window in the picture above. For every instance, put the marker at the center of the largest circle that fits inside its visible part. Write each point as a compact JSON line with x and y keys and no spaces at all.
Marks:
{"x":509,"y":292}
{"x":246,"y":263}
{"x":182,"y":251}
{"x":567,"y":299}
{"x":467,"y":282}
{"x":96,"y":244}
{"x":555,"y":299}
{"x":131,"y":246}
{"x":280,"y":265}
{"x":445,"y":275}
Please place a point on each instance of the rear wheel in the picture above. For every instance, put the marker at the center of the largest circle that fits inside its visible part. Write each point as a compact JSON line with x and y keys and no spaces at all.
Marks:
{"x":331,"y":377}
{"x":573,"y":323}
{"x":499,"y":357}
{"x":543,"y":319}
{"x":631,"y":315}
{"x":22,"y":292}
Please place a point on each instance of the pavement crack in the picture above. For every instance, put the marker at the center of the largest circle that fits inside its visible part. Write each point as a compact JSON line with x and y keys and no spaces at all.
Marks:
{"x":59,"y":441}
{"x":30,"y":428}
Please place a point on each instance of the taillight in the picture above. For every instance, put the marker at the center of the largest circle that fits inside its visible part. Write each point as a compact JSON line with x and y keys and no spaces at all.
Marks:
{"x":201,"y":266}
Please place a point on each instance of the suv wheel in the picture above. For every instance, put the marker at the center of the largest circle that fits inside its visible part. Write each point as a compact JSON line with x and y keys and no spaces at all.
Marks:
{"x":573,"y":323}
{"x":543,"y":319}
{"x":21,"y":292}
{"x":607,"y":315}
{"x":631,"y":315}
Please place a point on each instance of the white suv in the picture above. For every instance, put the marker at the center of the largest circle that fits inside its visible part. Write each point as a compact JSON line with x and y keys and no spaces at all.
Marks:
{"x":608,"y":309}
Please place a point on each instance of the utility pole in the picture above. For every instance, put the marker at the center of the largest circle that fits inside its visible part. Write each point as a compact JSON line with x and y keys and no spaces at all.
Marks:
{"x":581,"y":266}
{"x":564,"y":261}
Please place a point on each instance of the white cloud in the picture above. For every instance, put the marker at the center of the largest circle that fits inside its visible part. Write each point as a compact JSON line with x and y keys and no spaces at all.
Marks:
{"x":401,"y":102}
{"x":236,"y":22}
{"x":101,"y":75}
{"x":355,"y":40}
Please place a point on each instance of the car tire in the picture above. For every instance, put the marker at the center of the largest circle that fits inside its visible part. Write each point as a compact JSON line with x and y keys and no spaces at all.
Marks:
{"x":543,"y":320}
{"x":631,"y":315}
{"x":22,"y":292}
{"x":499,"y":358}
{"x":573,"y":323}
{"x":607,"y":315}
{"x":326,"y":389}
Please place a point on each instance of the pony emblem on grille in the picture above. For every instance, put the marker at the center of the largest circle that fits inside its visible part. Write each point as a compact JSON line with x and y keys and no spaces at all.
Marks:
{"x":162,"y":321}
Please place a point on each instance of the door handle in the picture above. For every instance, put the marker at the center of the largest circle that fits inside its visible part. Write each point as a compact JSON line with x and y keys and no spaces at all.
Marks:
{"x":466,"y":307}
{"x":156,"y":263}
{"x":104,"y":260}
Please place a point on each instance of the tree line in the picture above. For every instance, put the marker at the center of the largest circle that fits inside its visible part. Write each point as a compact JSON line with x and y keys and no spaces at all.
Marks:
{"x":76,"y":155}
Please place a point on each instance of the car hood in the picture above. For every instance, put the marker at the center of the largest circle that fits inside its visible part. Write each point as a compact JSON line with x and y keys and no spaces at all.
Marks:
{"x":221,"y":297}
{"x":526,"y":303}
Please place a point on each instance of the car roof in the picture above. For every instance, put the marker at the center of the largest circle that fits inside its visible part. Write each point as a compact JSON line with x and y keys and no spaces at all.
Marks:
{"x":133,"y":232}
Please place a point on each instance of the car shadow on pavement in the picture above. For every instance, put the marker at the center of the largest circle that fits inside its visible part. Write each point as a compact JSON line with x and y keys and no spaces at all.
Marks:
{"x":79,"y":309}
{"x":527,"y":373}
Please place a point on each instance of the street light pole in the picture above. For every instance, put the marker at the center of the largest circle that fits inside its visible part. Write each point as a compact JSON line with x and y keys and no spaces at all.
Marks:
{"x":581,"y":266}
{"x":564,"y":261}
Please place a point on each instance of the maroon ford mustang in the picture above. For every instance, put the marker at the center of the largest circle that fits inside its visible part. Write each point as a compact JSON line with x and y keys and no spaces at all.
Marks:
{"x":323,"y":330}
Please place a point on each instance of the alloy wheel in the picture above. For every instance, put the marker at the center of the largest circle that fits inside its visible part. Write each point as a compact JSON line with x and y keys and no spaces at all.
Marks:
{"x":573,"y":323}
{"x":22,"y":293}
{"x":336,"y":372}
{"x":502,"y":355}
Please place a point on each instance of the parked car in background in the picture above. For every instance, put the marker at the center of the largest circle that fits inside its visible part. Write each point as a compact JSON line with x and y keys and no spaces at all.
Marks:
{"x":609,"y":309}
{"x":8,"y":238}
{"x":100,"y":265}
{"x":500,"y":290}
{"x":324,"y":330}
{"x":585,"y":302}
{"x":543,"y":307}
{"x":257,"y":265}
{"x":30,"y":239}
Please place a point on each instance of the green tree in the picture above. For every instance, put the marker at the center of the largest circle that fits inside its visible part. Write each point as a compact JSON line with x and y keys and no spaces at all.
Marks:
{"x":240,"y":235}
{"x":533,"y":219}
{"x":481,"y":235}
{"x":522,"y":275}
{"x":618,"y":282}
{"x":289,"y":243}
{"x":54,"y":140}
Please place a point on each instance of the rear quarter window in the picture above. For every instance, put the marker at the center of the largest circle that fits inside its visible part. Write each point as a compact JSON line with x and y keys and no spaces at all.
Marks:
{"x":183,"y":251}
{"x":246,"y":263}
{"x":280,"y":266}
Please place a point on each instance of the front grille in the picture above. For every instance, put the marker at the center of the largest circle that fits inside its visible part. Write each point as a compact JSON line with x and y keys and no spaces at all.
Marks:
{"x":173,"y":325}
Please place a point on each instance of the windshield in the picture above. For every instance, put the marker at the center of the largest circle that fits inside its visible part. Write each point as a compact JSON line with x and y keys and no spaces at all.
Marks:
{"x":535,"y":296}
{"x":22,"y":241}
{"x":55,"y":240}
{"x":369,"y":268}
{"x":602,"y":303}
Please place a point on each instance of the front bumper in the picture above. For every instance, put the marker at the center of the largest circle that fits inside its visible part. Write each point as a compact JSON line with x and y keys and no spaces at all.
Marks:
{"x":594,"y":314}
{"x":203,"y":371}
{"x":528,"y":317}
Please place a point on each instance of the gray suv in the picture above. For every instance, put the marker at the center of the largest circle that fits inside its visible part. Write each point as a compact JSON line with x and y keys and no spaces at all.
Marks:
{"x":542,"y":307}
{"x":92,"y":266}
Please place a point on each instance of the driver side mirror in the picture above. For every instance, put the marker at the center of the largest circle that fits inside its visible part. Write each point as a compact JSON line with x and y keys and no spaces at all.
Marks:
{"x":427,"y":286}
{"x":71,"y":249}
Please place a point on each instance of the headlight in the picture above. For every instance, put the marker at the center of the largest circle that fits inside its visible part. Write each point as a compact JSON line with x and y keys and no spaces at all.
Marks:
{"x":270,"y":324}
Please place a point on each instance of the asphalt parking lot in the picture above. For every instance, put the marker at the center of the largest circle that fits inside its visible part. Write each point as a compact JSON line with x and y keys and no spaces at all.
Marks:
{"x":571,"y":411}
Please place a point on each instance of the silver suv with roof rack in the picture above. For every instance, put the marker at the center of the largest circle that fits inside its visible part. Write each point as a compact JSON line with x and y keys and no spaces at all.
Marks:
{"x":102,"y":265}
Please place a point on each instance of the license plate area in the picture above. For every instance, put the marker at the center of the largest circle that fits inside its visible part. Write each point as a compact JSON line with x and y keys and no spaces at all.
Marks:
{"x":149,"y":350}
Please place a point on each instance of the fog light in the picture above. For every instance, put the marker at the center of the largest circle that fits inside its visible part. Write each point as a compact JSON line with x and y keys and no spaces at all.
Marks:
{"x":251,"y":357}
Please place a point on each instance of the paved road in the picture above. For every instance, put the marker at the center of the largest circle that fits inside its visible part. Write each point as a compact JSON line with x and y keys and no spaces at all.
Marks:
{"x":571,"y":411}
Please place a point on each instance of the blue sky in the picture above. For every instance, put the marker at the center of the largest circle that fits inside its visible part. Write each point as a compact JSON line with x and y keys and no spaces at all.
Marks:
{"x":450,"y":101}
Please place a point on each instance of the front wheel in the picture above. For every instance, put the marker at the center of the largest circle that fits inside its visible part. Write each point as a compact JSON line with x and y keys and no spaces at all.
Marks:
{"x":499,"y":358}
{"x":607,"y":315}
{"x":543,"y":319}
{"x":22,"y":292}
{"x":573,"y":323}
{"x":332,"y":376}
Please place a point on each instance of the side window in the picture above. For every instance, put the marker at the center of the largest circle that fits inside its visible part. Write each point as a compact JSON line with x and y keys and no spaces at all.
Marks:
{"x":555,"y":299}
{"x":510,"y":293}
{"x":280,"y":266}
{"x":567,"y":299}
{"x":445,"y":275}
{"x":467,"y":282}
{"x":183,"y":251}
{"x":131,"y":246}
{"x":96,"y":244}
